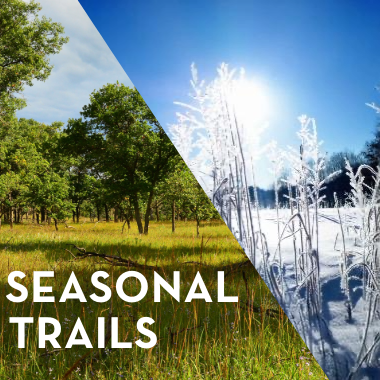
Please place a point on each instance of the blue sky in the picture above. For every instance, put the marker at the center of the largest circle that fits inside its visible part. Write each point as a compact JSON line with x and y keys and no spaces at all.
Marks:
{"x":316,"y":58}
{"x":320,"y":58}
{"x":84,"y":64}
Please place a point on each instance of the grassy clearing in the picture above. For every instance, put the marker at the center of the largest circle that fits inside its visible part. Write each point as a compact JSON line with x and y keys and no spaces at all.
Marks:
{"x":196,"y":340}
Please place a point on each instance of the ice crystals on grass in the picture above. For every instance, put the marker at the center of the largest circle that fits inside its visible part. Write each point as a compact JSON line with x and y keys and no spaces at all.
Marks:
{"x":214,"y":135}
{"x":211,"y":132}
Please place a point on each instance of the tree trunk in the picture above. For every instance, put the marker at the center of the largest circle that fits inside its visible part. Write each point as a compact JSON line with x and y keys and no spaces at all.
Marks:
{"x":38,"y":218}
{"x":173,"y":216}
{"x":73,"y":216}
{"x":138,"y":215}
{"x":98,"y":212}
{"x":78,"y":213}
{"x":148,"y":212}
{"x":197,"y":227}
{"x":56,"y":224}
{"x":10,"y":211}
{"x":34,"y":215}
{"x":107,"y":213}
{"x":128,"y":223}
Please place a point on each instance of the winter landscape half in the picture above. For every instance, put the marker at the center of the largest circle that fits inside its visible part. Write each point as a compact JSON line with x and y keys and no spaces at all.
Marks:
{"x":313,"y":237}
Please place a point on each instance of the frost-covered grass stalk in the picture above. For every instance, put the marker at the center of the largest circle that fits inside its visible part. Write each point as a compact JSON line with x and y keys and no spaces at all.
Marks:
{"x":210,"y":135}
{"x":212,"y":127}
{"x":365,"y":199}
{"x":277,"y":161}
{"x":305,"y":185}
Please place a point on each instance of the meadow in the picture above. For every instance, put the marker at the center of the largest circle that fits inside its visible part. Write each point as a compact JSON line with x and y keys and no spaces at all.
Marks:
{"x":251,"y":339}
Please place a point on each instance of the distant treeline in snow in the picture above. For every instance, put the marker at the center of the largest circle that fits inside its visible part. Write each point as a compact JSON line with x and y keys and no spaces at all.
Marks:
{"x":339,"y":184}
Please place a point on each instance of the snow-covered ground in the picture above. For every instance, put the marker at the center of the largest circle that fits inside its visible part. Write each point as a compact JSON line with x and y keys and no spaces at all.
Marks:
{"x":345,"y":320}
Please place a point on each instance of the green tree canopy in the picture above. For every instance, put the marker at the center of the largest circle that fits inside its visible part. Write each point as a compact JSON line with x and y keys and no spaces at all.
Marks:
{"x":26,"y":42}
{"x":32,"y":172}
{"x":123,"y":144}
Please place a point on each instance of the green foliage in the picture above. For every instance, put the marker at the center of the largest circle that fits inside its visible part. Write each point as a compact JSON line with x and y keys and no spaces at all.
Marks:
{"x":26,"y":42}
{"x":181,"y":193}
{"x":199,"y":204}
{"x":122,"y":144}
{"x":121,"y":138}
{"x":177,"y":185}
{"x":115,"y":157}
{"x":32,"y":173}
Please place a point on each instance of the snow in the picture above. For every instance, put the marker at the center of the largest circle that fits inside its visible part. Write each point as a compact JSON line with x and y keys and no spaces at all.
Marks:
{"x":346,"y":332}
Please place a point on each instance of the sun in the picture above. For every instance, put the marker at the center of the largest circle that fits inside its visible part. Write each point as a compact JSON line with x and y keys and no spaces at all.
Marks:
{"x":251,"y":102}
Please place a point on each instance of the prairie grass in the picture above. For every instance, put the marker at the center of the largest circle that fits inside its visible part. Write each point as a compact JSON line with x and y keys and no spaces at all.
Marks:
{"x":251,"y":339}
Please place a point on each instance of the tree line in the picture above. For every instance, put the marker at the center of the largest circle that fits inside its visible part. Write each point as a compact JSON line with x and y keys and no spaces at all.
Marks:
{"x":338,"y":187}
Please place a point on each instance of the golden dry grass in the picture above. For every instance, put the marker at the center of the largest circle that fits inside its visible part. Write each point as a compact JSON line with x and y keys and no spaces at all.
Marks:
{"x":196,"y":340}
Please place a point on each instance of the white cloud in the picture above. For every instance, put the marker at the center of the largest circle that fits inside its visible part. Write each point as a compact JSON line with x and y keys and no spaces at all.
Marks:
{"x":85,"y":64}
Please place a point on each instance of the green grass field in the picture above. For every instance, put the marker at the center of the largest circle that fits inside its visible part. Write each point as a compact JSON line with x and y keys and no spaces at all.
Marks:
{"x":252,"y":339}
